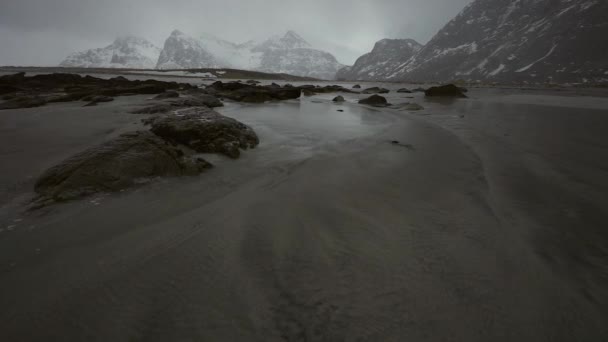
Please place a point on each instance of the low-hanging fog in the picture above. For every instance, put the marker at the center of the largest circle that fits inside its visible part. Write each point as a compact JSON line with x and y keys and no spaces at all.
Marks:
{"x":43,"y":32}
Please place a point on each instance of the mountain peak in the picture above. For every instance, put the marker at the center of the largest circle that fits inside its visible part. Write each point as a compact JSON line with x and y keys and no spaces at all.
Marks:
{"x":293,"y":40}
{"x":177,"y":33}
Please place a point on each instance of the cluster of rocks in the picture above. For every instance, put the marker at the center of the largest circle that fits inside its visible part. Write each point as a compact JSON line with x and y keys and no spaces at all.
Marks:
{"x":253,"y":93}
{"x":21,"y":91}
{"x":169,"y":148}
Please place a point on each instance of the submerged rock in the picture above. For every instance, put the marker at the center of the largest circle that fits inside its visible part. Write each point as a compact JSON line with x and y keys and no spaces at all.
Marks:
{"x":98,"y":99}
{"x":404,"y":90}
{"x":448,"y":90}
{"x":205,"y":131}
{"x":419,"y":90}
{"x":413,"y":106}
{"x":338,"y":99}
{"x":375,"y":100}
{"x":167,"y":95}
{"x":201,"y":100}
{"x":357,"y":86}
{"x":26,"y":101}
{"x":376,"y":90}
{"x":120,"y":163}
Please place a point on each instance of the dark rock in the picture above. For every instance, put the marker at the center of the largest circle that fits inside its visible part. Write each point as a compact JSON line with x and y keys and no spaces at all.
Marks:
{"x":201,"y":100}
{"x":338,"y":99}
{"x":404,"y":90}
{"x":376,"y":90}
{"x":340,"y":110}
{"x":98,"y":99}
{"x":167,"y":95}
{"x":253,"y":82}
{"x":274,"y":85}
{"x":6,"y":89}
{"x":119,"y":79}
{"x":205,"y":131}
{"x":357,"y":86}
{"x":413,"y":107}
{"x":448,"y":90}
{"x":374,"y":100}
{"x":307,"y":92}
{"x":419,"y":90}
{"x":27,"y":101}
{"x":115,"y":165}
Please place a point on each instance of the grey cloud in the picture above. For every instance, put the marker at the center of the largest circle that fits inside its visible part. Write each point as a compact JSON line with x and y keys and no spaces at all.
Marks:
{"x":347,"y":28}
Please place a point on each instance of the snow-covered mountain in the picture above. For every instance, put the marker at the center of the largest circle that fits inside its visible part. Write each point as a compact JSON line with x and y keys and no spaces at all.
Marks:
{"x":184,"y":52}
{"x":289,"y":54}
{"x":282,"y":54}
{"x":517,"y":40}
{"x":124,"y":52}
{"x":387,"y":55}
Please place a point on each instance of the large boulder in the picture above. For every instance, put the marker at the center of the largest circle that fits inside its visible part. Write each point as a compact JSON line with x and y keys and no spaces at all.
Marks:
{"x":205,"y":131}
{"x":120,"y":163}
{"x":448,"y":90}
{"x":375,"y":100}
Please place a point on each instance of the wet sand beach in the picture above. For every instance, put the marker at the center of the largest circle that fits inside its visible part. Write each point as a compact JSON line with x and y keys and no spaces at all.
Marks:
{"x":485,"y":222}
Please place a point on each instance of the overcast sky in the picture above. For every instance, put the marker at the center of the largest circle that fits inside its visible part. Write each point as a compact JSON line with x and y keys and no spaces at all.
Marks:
{"x":43,"y":32}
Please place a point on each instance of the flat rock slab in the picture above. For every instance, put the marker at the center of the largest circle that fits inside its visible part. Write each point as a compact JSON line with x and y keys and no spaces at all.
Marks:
{"x":128,"y":160}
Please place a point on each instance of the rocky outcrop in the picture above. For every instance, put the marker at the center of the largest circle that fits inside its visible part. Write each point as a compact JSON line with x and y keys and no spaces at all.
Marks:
{"x":376,"y":90}
{"x":38,"y":90}
{"x":205,"y":131}
{"x":199,"y":100}
{"x":381,"y":62}
{"x":128,"y":160}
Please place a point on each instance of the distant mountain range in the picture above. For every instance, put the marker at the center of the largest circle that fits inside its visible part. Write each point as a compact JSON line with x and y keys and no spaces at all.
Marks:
{"x":289,"y":54}
{"x":126,"y":52}
{"x":535,"y":41}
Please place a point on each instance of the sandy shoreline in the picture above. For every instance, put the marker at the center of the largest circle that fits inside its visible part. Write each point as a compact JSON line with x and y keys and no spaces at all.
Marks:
{"x":490,"y":228}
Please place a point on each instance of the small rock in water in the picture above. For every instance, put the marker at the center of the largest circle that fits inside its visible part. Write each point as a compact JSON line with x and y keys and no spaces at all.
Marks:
{"x":338,"y":99}
{"x":356,"y":86}
{"x":340,"y":110}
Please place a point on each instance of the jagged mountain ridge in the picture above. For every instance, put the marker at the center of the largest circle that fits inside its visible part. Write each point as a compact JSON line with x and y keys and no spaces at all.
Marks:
{"x":124,"y":52}
{"x":381,"y":62}
{"x":184,"y":52}
{"x":533,"y":41}
{"x":289,"y":54}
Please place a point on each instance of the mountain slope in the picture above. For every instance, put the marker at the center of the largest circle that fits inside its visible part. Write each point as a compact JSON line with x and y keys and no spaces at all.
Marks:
{"x":387,"y":55}
{"x":291,"y":54}
{"x":124,"y":52}
{"x":184,"y":52}
{"x":518,"y":40}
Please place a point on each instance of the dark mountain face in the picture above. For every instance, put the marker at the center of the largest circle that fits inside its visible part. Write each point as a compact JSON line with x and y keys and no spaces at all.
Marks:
{"x":519,"y":40}
{"x":387,"y":55}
